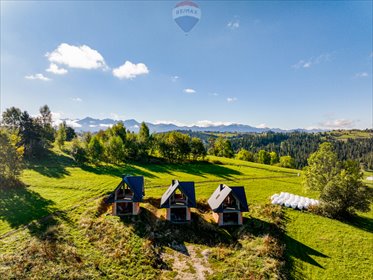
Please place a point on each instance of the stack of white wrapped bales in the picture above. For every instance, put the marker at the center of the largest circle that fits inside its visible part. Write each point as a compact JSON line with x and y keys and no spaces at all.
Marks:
{"x":293,"y":201}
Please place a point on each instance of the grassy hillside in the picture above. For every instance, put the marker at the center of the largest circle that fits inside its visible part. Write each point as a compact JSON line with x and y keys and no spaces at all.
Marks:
{"x":82,"y":241}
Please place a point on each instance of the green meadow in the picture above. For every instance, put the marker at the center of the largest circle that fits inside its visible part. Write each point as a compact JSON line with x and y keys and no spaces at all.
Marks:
{"x":60,"y":200}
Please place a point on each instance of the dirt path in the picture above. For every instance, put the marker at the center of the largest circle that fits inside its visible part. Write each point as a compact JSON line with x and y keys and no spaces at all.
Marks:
{"x":191,"y":265}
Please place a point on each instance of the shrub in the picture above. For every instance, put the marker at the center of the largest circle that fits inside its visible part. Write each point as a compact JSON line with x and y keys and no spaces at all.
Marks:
{"x":11,"y":157}
{"x":342,"y":191}
{"x":245,"y":155}
{"x":78,"y":152}
{"x":287,"y":162}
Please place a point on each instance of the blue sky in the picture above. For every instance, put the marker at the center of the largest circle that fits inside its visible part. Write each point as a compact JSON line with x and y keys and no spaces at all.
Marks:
{"x":276,"y":64}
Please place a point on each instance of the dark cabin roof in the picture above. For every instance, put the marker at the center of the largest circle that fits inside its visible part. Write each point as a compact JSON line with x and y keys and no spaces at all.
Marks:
{"x":187,"y":188}
{"x":219,"y":195}
{"x":135,"y":184}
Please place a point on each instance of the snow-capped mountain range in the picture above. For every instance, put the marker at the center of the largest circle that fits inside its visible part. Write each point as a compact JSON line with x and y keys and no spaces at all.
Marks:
{"x":94,"y":125}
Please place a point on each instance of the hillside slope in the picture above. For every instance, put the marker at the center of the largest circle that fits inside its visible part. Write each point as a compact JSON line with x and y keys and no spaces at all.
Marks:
{"x":78,"y":238}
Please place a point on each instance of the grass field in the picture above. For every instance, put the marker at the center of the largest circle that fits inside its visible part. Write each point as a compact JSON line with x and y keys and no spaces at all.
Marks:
{"x":316,"y":247}
{"x":351,"y":134}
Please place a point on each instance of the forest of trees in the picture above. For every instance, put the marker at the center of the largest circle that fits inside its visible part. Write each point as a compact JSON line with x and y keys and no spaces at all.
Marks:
{"x":25,"y":137}
{"x":295,"y":145}
{"x":299,"y":145}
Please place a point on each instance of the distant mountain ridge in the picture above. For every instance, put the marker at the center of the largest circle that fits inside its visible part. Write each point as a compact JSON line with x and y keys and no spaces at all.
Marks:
{"x":94,"y":125}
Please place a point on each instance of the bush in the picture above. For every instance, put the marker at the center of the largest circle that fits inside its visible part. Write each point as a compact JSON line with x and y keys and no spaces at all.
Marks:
{"x":78,"y":152}
{"x":342,"y":191}
{"x":287,"y":162}
{"x":345,"y":193}
{"x":245,"y":155}
{"x":11,"y":157}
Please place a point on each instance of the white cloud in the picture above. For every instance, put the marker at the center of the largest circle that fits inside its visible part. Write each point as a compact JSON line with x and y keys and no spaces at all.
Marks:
{"x":57,"y":119}
{"x":174,"y":78}
{"x":189,"y":90}
{"x":338,"y":124}
{"x":39,"y":76}
{"x":170,"y":122}
{"x":77,"y":99}
{"x":214,"y":94}
{"x":206,"y":123}
{"x":361,"y":75}
{"x":311,"y":61}
{"x":77,"y":57}
{"x":53,"y":68}
{"x":231,"y":99}
{"x":105,"y":125}
{"x":202,"y":123}
{"x":233,"y":24}
{"x":262,"y":125}
{"x":130,"y":70}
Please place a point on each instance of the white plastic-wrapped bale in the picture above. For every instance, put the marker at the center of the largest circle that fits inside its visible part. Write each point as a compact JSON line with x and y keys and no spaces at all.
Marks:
{"x":274,"y":196}
{"x":293,"y":201}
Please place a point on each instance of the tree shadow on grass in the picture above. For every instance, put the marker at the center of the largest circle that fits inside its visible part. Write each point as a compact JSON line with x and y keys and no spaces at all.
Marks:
{"x":360,"y":222}
{"x":293,"y":248}
{"x":51,"y":165}
{"x":117,"y":171}
{"x":201,"y":168}
{"x":43,"y":228}
{"x":20,"y":205}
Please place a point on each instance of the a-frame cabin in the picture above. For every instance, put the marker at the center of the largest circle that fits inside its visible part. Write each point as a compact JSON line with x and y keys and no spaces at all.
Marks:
{"x":178,"y":199}
{"x":127,"y":196}
{"x":228,"y":203}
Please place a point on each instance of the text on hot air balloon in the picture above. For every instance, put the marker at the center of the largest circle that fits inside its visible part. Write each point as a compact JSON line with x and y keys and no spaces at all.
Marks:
{"x":186,"y":11}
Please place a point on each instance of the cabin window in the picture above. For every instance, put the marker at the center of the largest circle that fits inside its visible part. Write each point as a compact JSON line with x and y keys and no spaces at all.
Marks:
{"x":230,"y":202}
{"x":124,"y":192}
{"x":178,"y":197}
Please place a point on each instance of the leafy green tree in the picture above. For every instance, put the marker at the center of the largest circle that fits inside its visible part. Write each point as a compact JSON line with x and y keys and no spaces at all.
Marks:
{"x":342,"y":191}
{"x":78,"y":152}
{"x":274,"y":158}
{"x":118,"y":130}
{"x":144,"y":133}
{"x":222,"y":148}
{"x":45,"y":121}
{"x":131,"y":147}
{"x":174,"y":146}
{"x":86,"y":138}
{"x":115,"y":150}
{"x":345,"y":193}
{"x":144,"y":141}
{"x":61,"y":135}
{"x":95,"y":149}
{"x":322,"y":167}
{"x":45,"y":115}
{"x":11,"y":157}
{"x":11,"y":118}
{"x":263,"y":157}
{"x":244,"y":154}
{"x":70,"y":133}
{"x":197,"y":149}
{"x":30,"y":133}
{"x":287,"y":162}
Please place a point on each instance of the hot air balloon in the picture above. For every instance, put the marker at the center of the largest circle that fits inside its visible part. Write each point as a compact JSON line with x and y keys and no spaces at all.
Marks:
{"x":186,"y":14}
